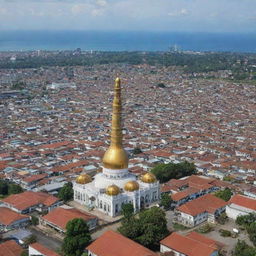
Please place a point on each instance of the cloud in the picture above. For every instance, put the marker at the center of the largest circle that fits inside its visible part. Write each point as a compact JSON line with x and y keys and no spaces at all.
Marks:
{"x":101,"y":3}
{"x":178,"y":15}
{"x":181,"y":12}
{"x":79,"y":9}
{"x":3,"y":11}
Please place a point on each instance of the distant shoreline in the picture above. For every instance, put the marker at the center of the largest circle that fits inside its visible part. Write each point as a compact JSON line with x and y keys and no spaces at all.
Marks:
{"x":126,"y":41}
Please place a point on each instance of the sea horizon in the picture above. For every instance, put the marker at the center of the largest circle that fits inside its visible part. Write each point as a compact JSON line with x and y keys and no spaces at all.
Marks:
{"x":52,"y":40}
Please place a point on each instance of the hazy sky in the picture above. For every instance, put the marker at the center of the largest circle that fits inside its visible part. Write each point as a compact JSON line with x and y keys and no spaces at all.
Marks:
{"x":168,"y":15}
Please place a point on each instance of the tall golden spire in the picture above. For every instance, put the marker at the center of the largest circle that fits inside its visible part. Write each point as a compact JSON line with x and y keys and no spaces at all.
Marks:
{"x":116,"y":157}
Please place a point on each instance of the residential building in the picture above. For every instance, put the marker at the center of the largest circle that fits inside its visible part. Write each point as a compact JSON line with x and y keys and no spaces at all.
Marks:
{"x":240,"y":205}
{"x":192,"y":244}
{"x":40,"y":250}
{"x":10,"y":219}
{"x":204,"y":208}
{"x":29,"y":201}
{"x":115,"y":244}
{"x":59,"y":217}
{"x":10,"y":248}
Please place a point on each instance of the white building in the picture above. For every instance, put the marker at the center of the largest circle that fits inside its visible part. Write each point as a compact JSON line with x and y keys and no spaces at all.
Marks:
{"x":205,"y":208}
{"x":240,"y":205}
{"x":192,"y":244}
{"x":115,"y":185}
{"x":40,"y":250}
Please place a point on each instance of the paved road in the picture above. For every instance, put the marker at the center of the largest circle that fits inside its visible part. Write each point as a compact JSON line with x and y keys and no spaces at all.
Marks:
{"x":49,"y":242}
{"x":169,"y":217}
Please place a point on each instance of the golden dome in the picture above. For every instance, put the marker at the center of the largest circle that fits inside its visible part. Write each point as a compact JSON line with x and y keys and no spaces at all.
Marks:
{"x":116,"y":157}
{"x":148,"y":178}
{"x":83,"y":178}
{"x":132,"y":186}
{"x":112,"y":190}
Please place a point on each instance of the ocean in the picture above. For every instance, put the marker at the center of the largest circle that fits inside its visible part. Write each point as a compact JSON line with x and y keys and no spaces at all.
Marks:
{"x":126,"y":41}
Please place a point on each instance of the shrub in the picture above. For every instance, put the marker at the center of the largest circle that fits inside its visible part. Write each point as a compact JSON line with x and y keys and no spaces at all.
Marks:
{"x":206,"y":228}
{"x":224,"y":232}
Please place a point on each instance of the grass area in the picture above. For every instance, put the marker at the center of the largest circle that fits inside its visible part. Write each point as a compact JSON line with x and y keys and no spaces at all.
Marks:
{"x":177,"y":226}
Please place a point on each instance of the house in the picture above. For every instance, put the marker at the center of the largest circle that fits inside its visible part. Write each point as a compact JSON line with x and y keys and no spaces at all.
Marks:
{"x":40,"y":250}
{"x":10,"y":248}
{"x":32,"y":180}
{"x":251,"y":192}
{"x":192,"y":244}
{"x":189,"y":188}
{"x":204,"y":208}
{"x":10,"y":219}
{"x":240,"y":205}
{"x":29,"y":201}
{"x":114,"y":244}
{"x":59,"y":217}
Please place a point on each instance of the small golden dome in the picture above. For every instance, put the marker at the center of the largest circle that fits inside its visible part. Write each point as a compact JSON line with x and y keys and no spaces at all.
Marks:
{"x":148,"y":178}
{"x":132,"y":186}
{"x":83,"y":178}
{"x":112,"y":190}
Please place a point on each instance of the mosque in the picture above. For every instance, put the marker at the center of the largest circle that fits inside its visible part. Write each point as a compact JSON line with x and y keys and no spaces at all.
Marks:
{"x":115,"y":185}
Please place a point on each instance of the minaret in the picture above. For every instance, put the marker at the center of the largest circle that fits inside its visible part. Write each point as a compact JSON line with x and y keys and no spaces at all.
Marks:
{"x":116,"y":157}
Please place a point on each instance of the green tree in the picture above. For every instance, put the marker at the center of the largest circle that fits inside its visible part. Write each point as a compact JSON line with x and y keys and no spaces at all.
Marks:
{"x":24,"y":253}
{"x":222,"y":219}
{"x":243,"y":249}
{"x":249,"y":223}
{"x":161,"y":85}
{"x":251,"y":229}
{"x":246,"y":220}
{"x":30,"y":240}
{"x":77,"y":237}
{"x":66,"y":193}
{"x":34,"y":220}
{"x":127,"y":210}
{"x":165,"y":172}
{"x":153,"y":226}
{"x":148,"y":229}
{"x":3,"y":187}
{"x":166,"y":201}
{"x":14,"y":189}
{"x":224,"y":194}
{"x":130,"y":228}
{"x":137,"y":151}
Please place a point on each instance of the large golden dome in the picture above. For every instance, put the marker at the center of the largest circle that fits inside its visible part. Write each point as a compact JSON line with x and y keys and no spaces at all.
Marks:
{"x":83,"y":178}
{"x":148,"y":178}
{"x":132,"y":186}
{"x":116,"y":157}
{"x":112,"y":190}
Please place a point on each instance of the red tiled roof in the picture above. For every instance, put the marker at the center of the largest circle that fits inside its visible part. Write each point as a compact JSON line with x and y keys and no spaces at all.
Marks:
{"x":188,"y":245}
{"x":8,"y":216}
{"x":70,"y":166}
{"x":43,"y":250}
{"x":35,"y":177}
{"x":27,"y":199}
{"x":243,"y":201}
{"x":120,"y":246}
{"x":206,"y":203}
{"x":61,"y":216}
{"x":55,"y":145}
{"x":203,"y":239}
{"x":10,"y":248}
{"x":183,"y":194}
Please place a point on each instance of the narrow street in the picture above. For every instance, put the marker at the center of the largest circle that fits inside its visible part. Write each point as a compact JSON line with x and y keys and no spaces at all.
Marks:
{"x":50,"y":242}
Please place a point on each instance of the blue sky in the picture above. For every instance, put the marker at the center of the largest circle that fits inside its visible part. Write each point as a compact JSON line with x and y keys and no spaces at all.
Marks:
{"x":158,"y":15}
